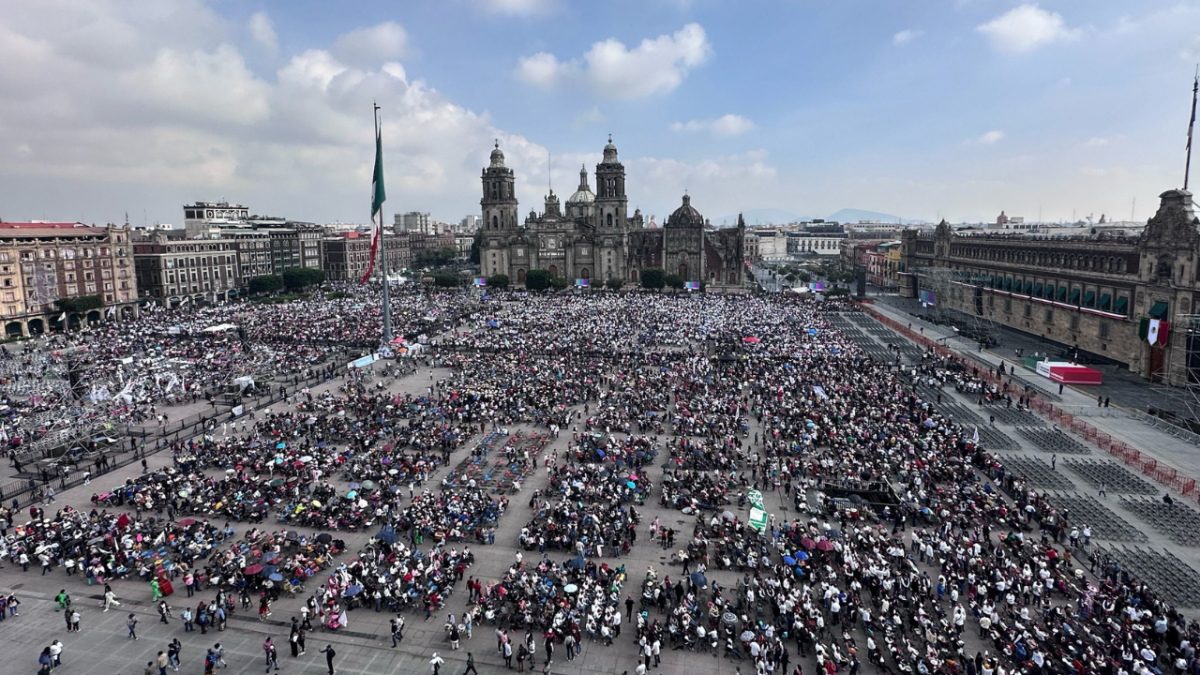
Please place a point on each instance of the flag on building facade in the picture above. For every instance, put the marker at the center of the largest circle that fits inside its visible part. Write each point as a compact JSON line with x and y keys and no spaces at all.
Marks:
{"x":377,"y":198}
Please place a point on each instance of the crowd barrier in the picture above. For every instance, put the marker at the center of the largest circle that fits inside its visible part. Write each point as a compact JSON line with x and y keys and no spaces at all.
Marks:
{"x":1163,"y":474}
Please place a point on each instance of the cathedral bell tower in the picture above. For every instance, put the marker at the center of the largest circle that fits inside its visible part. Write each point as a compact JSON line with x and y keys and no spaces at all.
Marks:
{"x":499,"y":200}
{"x":611,"y":203}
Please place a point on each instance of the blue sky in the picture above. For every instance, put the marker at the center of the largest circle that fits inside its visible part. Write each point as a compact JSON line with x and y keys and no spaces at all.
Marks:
{"x":939,"y":108}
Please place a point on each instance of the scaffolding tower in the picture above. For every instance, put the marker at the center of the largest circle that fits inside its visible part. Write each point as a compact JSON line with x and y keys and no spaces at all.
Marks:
{"x":959,"y":299}
{"x":1177,"y":383}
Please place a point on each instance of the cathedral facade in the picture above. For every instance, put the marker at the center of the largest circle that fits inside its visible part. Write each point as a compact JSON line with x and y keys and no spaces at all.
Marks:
{"x":592,"y":236}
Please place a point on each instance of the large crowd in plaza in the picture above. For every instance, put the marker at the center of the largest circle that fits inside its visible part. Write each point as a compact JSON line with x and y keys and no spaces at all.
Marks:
{"x":676,"y":402}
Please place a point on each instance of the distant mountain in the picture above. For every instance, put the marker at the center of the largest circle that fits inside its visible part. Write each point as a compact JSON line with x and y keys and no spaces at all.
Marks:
{"x":855,"y":215}
{"x":760,"y":217}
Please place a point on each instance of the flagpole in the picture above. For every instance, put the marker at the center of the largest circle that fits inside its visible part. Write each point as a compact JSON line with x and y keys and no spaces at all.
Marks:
{"x":387,"y":302}
{"x":1192,"y":123}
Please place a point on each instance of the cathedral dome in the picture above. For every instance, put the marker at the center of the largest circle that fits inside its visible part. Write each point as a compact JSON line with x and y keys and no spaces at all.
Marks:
{"x":686,"y":215}
{"x":583,"y":195}
{"x":497,"y":157}
{"x":610,"y":152}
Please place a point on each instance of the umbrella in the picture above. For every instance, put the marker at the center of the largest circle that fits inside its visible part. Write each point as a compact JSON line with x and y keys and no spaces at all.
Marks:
{"x":276,"y":577}
{"x":252,"y":570}
{"x":354,"y":486}
{"x":306,"y":459}
{"x":729,"y":618}
{"x":316,"y":503}
{"x":631,"y":484}
{"x":281,"y":446}
{"x":184,"y":493}
{"x":824,"y":545}
{"x":577,"y":563}
{"x":387,"y":536}
{"x":186,"y":522}
{"x":807,"y":543}
{"x":570,"y":588}
{"x":352,"y":591}
{"x":752,"y":340}
{"x":746,"y":636}
{"x":368,"y":485}
{"x":292,"y":534}
{"x":161,"y":478}
{"x":276,"y":483}
{"x":833,"y":534}
{"x":268,"y":570}
{"x":268,"y":557}
{"x":699,"y":580}
{"x":728,"y":515}
{"x":351,"y":494}
{"x":800,"y":555}
{"x":324,"y":538}
{"x":788,"y":560}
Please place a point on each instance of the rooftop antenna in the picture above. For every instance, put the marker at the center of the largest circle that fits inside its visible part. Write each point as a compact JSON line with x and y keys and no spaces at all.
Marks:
{"x":1191,"y":123}
{"x":550,"y":171}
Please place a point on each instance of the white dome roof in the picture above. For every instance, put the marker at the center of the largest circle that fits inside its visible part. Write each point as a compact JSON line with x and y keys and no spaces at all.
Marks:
{"x":583,"y":194}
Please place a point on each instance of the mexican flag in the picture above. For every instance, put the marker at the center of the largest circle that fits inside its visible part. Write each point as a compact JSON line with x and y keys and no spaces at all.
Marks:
{"x":1155,"y":331}
{"x":377,"y":198}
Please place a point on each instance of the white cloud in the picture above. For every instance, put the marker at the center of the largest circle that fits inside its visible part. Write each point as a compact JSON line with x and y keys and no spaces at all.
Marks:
{"x":543,"y":70}
{"x":1095,"y":142}
{"x":906,"y":36}
{"x":991,"y":137}
{"x":724,"y":126}
{"x":1026,"y":28}
{"x":369,"y":46}
{"x":613,"y":70}
{"x":588,"y":117}
{"x":520,"y":7}
{"x":23,"y":150}
{"x":174,"y":82}
{"x":263,"y":31}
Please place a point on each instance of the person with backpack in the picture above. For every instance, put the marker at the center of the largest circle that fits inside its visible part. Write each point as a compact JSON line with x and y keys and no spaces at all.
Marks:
{"x":329,"y":654}
{"x":131,"y":624}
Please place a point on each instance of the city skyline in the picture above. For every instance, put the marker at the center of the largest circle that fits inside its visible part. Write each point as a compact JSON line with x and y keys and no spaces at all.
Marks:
{"x":955,"y":109}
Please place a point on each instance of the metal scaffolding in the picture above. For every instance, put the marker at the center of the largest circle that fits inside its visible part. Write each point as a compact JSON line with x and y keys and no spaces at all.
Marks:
{"x":1178,"y":386}
{"x":959,"y":300}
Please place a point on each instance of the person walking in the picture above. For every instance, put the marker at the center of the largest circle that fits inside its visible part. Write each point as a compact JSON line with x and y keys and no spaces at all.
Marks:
{"x":173,"y":650}
{"x":56,"y":648}
{"x":329,"y":654}
{"x":155,"y":591}
{"x":271,"y":654}
{"x":131,"y":624}
{"x":219,"y":656}
{"x":110,"y":598}
{"x":160,"y":662}
{"x":436,"y":664}
{"x":470,"y":665}
{"x":45,"y":662}
{"x":163,"y":611}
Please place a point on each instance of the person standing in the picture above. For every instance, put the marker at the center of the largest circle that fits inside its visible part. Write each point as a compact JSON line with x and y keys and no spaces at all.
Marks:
{"x":131,"y":624}
{"x":75,"y":620}
{"x":56,"y":648}
{"x":300,"y":640}
{"x":329,"y":654}
{"x":294,"y":641}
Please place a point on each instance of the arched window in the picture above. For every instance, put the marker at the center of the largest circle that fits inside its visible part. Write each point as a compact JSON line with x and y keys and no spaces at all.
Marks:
{"x":584,"y":273}
{"x":683,"y":272}
{"x":554,"y":271}
{"x":520,"y":276}
{"x":495,"y":191}
{"x":495,"y":223}
{"x":608,"y":220}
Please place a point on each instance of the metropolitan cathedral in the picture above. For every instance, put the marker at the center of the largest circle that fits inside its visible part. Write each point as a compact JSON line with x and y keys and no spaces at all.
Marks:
{"x":593,"y":237}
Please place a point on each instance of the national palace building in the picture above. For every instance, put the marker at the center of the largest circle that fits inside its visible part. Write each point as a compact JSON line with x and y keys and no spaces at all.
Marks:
{"x":1098,"y":291}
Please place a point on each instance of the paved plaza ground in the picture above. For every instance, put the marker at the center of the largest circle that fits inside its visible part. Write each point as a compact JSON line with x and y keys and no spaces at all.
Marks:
{"x":364,"y":646}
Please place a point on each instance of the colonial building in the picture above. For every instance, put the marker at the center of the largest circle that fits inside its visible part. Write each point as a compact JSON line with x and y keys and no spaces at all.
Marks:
{"x":1096,"y":292}
{"x":173,"y":271}
{"x":592,"y":235}
{"x":42,"y":263}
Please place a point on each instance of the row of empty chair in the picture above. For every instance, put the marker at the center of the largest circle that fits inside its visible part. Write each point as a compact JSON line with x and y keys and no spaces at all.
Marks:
{"x":1105,"y":523}
{"x":1172,"y":578}
{"x":1114,"y":477}
{"x":1052,"y":440}
{"x":1181,"y":524}
{"x":1038,"y":473}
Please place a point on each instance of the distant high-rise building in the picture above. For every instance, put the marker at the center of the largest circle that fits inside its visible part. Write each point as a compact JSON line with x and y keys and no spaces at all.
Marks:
{"x":470,"y":224}
{"x":414,"y":222}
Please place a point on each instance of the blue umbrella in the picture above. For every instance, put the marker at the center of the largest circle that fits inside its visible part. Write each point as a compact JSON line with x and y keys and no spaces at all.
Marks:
{"x":788,"y":560}
{"x":493,"y":324}
{"x":577,"y":563}
{"x":352,"y":591}
{"x":699,"y":580}
{"x":281,"y":446}
{"x":801,"y":555}
{"x":632,"y":485}
{"x":387,"y":536}
{"x":812,"y":331}
{"x":599,"y":452}
{"x":833,"y":534}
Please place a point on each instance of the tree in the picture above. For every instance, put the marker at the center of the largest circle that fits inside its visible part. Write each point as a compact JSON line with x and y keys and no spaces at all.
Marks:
{"x":476,"y":245}
{"x":615,"y":284}
{"x":804,"y":277}
{"x":674,"y":281}
{"x":537,"y":280}
{"x":266,"y":283}
{"x":302,"y":277}
{"x":653,"y":278}
{"x":81,"y":304}
{"x":445,"y":279}
{"x":435,"y":257}
{"x":559,"y":283}
{"x":498,"y":281}
{"x":791,"y":278}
